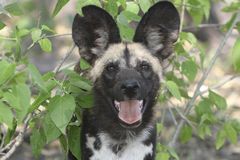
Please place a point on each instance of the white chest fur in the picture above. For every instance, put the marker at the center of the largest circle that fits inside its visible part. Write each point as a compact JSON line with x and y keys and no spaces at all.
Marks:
{"x":134,"y":148}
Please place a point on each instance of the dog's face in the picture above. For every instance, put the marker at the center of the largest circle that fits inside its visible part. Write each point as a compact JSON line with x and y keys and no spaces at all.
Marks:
{"x":126,"y":75}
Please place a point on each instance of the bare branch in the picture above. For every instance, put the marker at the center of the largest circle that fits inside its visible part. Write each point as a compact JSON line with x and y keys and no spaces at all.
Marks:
{"x":202,"y":26}
{"x":16,"y":141}
{"x":3,"y":136}
{"x":58,"y":35}
{"x":8,"y":38}
{"x":65,"y":58}
{"x":182,"y":15}
{"x":173,"y":116}
{"x":221,"y":83}
{"x":197,"y":92}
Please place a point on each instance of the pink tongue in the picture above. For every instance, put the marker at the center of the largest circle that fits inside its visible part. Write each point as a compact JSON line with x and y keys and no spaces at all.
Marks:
{"x":130,"y":111}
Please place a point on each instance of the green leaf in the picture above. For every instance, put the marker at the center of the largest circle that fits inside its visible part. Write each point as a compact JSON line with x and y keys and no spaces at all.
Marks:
{"x":196,"y":13}
{"x":36,"y":76}
{"x":23,"y":95}
{"x":130,"y":16}
{"x":236,"y":55}
{"x":112,"y":7}
{"x":46,"y":28}
{"x":173,"y":88}
{"x":173,"y":153}
{"x":207,"y":118}
{"x":6,"y":115}
{"x":220,"y":140}
{"x":60,"y":4}
{"x":19,"y":77}
{"x":132,"y":7}
{"x":22,"y":32}
{"x":50,"y":130}
{"x":206,"y":7}
{"x":163,"y":156}
{"x":236,"y":125}
{"x":11,"y":132}
{"x":189,"y":69}
{"x":81,"y":84}
{"x":126,"y":32}
{"x":82,"y":3}
{"x":144,"y":4}
{"x":233,"y":7}
{"x":122,"y":20}
{"x":12,"y":100}
{"x":36,"y":34}
{"x":43,"y":96}
{"x":2,"y":25}
{"x":204,"y":130}
{"x":85,"y":100}
{"x":84,"y":64}
{"x":159,"y":127}
{"x":123,"y":3}
{"x":74,"y":141}
{"x":231,"y":133}
{"x":186,"y":134}
{"x":188,"y":36}
{"x":45,"y":44}
{"x":7,"y":71}
{"x":229,"y":23}
{"x":14,"y":9}
{"x":17,"y":51}
{"x":64,"y":145}
{"x":61,"y":110}
{"x":218,"y":100}
{"x":37,"y":140}
{"x":204,"y":107}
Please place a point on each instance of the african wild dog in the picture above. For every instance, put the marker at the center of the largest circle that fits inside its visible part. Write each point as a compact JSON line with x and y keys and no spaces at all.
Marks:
{"x":126,"y":77}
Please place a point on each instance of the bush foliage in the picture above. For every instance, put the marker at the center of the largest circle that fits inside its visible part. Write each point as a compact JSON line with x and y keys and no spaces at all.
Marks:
{"x":51,"y":107}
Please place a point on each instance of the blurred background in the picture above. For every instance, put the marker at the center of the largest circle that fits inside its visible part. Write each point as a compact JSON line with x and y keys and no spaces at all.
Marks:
{"x":208,"y":33}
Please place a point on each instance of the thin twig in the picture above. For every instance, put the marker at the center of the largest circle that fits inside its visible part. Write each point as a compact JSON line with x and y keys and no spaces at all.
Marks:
{"x":182,"y":15}
{"x":220,"y":84}
{"x":184,"y":118}
{"x":188,"y":5}
{"x":64,"y":59}
{"x":3,"y":136}
{"x":8,"y":38}
{"x":68,"y":66}
{"x":190,"y":103}
{"x":181,"y":115}
{"x":202,"y":26}
{"x":173,"y":116}
{"x":49,"y":36}
{"x":18,"y":140}
{"x":58,"y":35}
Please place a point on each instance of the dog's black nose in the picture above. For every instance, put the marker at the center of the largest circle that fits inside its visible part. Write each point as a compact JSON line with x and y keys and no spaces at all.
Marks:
{"x":130,"y":88}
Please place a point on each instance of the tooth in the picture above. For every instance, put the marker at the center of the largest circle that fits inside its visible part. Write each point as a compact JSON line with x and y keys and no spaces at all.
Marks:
{"x":117,"y":104}
{"x":141,"y":104}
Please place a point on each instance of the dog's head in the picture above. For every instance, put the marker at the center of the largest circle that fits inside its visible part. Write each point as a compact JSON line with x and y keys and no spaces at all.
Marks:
{"x":126,"y":75}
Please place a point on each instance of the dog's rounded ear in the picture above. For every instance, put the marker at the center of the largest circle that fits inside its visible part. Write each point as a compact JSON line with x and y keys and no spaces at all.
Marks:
{"x":93,"y":32}
{"x":159,"y":29}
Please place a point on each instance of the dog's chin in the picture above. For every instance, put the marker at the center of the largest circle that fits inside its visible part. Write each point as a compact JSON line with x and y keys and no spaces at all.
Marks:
{"x":129,"y":112}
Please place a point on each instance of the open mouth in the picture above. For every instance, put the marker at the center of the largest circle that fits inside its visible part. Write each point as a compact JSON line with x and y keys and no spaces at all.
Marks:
{"x":130,"y":111}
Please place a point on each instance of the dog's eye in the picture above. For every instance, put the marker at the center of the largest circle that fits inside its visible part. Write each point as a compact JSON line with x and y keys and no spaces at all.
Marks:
{"x":111,"y":68}
{"x":145,"y":66}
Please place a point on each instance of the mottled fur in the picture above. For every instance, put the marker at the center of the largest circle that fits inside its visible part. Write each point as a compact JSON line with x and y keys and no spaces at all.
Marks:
{"x":116,"y":64}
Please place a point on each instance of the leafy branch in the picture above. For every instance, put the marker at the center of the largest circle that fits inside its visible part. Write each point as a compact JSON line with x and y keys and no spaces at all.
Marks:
{"x":197,"y":91}
{"x":16,"y":142}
